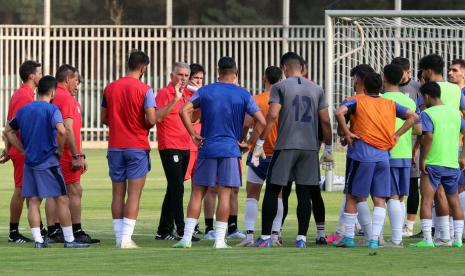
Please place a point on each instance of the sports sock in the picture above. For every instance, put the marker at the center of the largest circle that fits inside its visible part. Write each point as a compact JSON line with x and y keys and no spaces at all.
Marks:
{"x":410,"y":224}
{"x":394,"y":207}
{"x":320,"y":231}
{"x":458,"y":230}
{"x":68,"y":233}
{"x":208,"y":225}
{"x":301,"y":238}
{"x":364,"y":218}
{"x":340,"y":221}
{"x":404,"y":214}
{"x":426,"y":225}
{"x":443,"y":224}
{"x":250,"y":214}
{"x":232,"y":224}
{"x":14,"y":228}
{"x":220,"y":231}
{"x":349,"y":224}
{"x":128,"y":229}
{"x":189,"y":229}
{"x":435,"y":224}
{"x":278,"y":219}
{"x":379,"y":214}
{"x":77,"y":227}
{"x":36,"y":234}
{"x":451,"y":227}
{"x":118,"y":229}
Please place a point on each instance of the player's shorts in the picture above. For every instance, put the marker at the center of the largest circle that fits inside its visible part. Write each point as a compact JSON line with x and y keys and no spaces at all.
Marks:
{"x":191,"y":166}
{"x":447,"y":177}
{"x":257,"y":174}
{"x":128,"y":164}
{"x":462,"y":178}
{"x":70,"y":175}
{"x":18,"y":169}
{"x":43,"y":183}
{"x":301,"y":166}
{"x":218,"y":171}
{"x":367,"y":178}
{"x":400,"y":181}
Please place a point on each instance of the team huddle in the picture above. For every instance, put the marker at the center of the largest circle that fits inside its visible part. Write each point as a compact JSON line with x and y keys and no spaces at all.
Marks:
{"x":396,"y":132}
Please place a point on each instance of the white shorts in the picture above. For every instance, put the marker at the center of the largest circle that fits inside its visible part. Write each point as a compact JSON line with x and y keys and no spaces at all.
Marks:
{"x":253,"y":177}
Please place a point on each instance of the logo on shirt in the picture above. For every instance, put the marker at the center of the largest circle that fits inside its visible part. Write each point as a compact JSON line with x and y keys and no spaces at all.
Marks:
{"x":176,"y":158}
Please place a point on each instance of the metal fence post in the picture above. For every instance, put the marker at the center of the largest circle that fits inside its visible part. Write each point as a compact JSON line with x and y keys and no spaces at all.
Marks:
{"x":169,"y":36}
{"x":286,"y":21}
{"x":47,"y":33}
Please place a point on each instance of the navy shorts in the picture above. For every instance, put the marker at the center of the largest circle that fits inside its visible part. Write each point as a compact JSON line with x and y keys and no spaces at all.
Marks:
{"x":447,"y":177}
{"x":400,"y":181}
{"x":128,"y":164}
{"x":367,"y":178}
{"x":218,"y":171}
{"x":43,"y":183}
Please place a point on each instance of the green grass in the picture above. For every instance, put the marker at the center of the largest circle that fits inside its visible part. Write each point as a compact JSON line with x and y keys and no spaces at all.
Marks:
{"x":157,"y":258}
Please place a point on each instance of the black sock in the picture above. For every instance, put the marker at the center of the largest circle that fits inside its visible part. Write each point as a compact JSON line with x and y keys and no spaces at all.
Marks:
{"x":51,"y":229}
{"x":208,"y":225}
{"x":232,"y":224}
{"x":41,"y":225}
{"x":14,"y":227}
{"x":77,"y":227}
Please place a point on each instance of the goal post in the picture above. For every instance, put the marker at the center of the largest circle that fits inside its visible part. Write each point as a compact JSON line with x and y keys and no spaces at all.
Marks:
{"x":375,"y":37}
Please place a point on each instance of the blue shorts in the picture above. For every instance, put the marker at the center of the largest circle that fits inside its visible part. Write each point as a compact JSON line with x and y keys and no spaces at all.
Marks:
{"x":462,"y":178}
{"x":262,"y":168}
{"x":400,"y":181}
{"x":367,"y":178}
{"x":218,"y":171}
{"x":447,"y":177}
{"x":43,"y":183}
{"x":128,"y":164}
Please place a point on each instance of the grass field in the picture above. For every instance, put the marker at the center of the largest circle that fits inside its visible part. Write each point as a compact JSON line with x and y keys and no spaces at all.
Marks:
{"x":157,"y":258}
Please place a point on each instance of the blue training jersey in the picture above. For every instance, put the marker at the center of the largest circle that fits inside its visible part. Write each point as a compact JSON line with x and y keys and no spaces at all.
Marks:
{"x":223,"y":107}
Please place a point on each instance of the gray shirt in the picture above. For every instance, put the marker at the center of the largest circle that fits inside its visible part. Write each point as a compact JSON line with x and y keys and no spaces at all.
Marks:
{"x":300,"y":101}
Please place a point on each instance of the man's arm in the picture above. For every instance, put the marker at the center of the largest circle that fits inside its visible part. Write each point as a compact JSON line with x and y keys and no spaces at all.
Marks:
{"x":163,"y":112}
{"x":427,"y":141}
{"x":340,"y":114}
{"x":5,"y":153}
{"x":103,"y":116}
{"x":70,"y":141}
{"x":186,"y":115}
{"x":410,"y":119}
{"x":260,"y":125}
{"x":10,"y":134}
{"x":325,"y":122}
{"x":61,"y":138}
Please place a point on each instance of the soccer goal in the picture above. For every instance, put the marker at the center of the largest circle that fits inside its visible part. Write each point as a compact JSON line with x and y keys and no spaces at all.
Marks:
{"x":375,"y":38}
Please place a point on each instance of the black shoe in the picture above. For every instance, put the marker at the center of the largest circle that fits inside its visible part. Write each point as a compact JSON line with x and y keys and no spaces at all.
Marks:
{"x":321,"y":241}
{"x":43,"y":232}
{"x":195,"y":239}
{"x":417,"y":236}
{"x":75,"y":244}
{"x":16,"y":237}
{"x":167,"y":237}
{"x":360,"y":233}
{"x":56,"y":237}
{"x":83,"y":237}
{"x":197,"y":230}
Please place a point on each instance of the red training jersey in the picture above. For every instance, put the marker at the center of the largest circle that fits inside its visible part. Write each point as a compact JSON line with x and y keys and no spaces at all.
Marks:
{"x":197,"y":125}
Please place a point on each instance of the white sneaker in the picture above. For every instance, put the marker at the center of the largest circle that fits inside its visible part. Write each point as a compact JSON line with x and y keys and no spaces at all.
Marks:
{"x":236,"y":235}
{"x":391,"y":244}
{"x":440,"y":242}
{"x":381,"y":241}
{"x":221,"y":245}
{"x":211,"y":235}
{"x":406,"y":232}
{"x":128,"y":245}
{"x":246,"y":243}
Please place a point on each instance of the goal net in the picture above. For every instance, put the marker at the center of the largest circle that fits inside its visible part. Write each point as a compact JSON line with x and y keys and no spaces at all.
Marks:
{"x":375,"y":38}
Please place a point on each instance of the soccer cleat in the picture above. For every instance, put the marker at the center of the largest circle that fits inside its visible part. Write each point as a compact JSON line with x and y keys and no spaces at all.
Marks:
{"x":43,"y":232}
{"x":360,"y":233}
{"x":56,"y":237}
{"x":128,"y":245}
{"x":333,"y":237}
{"x":345,"y":243}
{"x":194,"y":239}
{"x":418,"y":235}
{"x":182,"y":244}
{"x":261,"y":243}
{"x":373,"y":244}
{"x":197,"y":230}
{"x":246,"y":243}
{"x":211,"y":235}
{"x":391,"y":244}
{"x":237,"y":234}
{"x":40,"y":245}
{"x":440,"y":242}
{"x":16,"y":237}
{"x":407,"y":232}
{"x":300,"y":244}
{"x":457,"y":244}
{"x":75,"y":244}
{"x":167,"y":237}
{"x":221,"y":245}
{"x":321,"y":241}
{"x":83,"y":237}
{"x":422,"y":244}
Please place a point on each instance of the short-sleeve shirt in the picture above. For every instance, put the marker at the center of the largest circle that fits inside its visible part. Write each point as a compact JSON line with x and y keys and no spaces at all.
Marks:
{"x":224,"y":107}
{"x":300,"y":101}
{"x":70,"y":109}
{"x":411,"y":88}
{"x":37,"y":122}
{"x":262,"y":101}
{"x":126,"y":100}
{"x":171,"y":132}
{"x":197,"y":125}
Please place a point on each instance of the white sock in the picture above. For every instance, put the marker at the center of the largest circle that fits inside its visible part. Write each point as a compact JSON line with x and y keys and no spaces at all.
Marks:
{"x":443,"y":224}
{"x":458,"y":228}
{"x":426,"y":225}
{"x":128,"y":229}
{"x":118,"y":229}
{"x":265,"y":237}
{"x":250,"y":216}
{"x":278,"y":219}
{"x":364,"y":217}
{"x":435,"y":224}
{"x":37,"y":235}
{"x":189,"y":228}
{"x":451,"y":228}
{"x":68,"y":233}
{"x":395,"y":217}
{"x":404,"y":214}
{"x":220,"y":231}
{"x":301,"y":238}
{"x":320,"y":231}
{"x":349,"y":224}
{"x":462,"y":200}
{"x":379,"y":215}
{"x":340,"y":220}
{"x":410,"y":224}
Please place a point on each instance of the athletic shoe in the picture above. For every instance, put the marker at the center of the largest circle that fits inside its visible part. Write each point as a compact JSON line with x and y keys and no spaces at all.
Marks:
{"x":197,"y":230}
{"x":422,"y":244}
{"x":83,"y":237}
{"x":407,"y":232}
{"x":16,"y":237}
{"x":128,"y":245}
{"x":418,"y":235}
{"x":373,"y":244}
{"x":381,"y":240}
{"x":360,"y":233}
{"x":56,"y":237}
{"x":457,"y":244}
{"x":43,"y":232}
{"x":211,"y":235}
{"x":391,"y":244}
{"x":321,"y":241}
{"x":237,"y":234}
{"x":40,"y":244}
{"x":440,"y":242}
{"x":261,"y":243}
{"x":246,"y":243}
{"x":75,"y":244}
{"x":182,"y":244}
{"x":345,"y":243}
{"x":333,"y":237}
{"x":167,"y":237}
{"x":221,"y":245}
{"x":194,"y":239}
{"x":300,"y":244}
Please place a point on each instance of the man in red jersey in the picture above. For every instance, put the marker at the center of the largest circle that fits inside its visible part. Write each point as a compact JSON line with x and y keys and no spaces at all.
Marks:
{"x":30,"y":73}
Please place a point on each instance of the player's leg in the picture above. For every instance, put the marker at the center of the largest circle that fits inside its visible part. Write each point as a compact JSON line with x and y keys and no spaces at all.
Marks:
{"x":117,"y":209}
{"x":209,"y":207}
{"x":222,"y":215}
{"x":413,"y":201}
{"x":286,"y":192}
{"x":304,"y":210}
{"x":318,"y":208}
{"x":277,"y":222}
{"x":178,"y":206}
{"x":449,"y":183}
{"x":253,"y":188}
{"x":461,"y":192}
{"x":33,"y":217}
{"x":442,"y":217}
{"x":400,"y":178}
{"x":233,"y":230}
{"x":131,"y":210}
